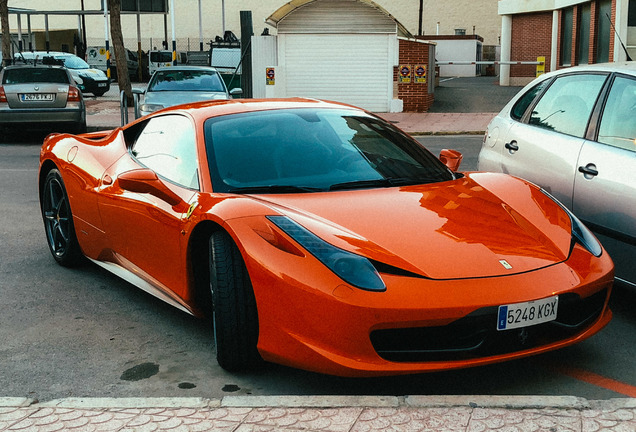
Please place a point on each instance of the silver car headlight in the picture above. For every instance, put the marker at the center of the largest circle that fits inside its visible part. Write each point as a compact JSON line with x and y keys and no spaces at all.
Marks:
{"x":353,"y":269}
{"x":580,"y":233}
{"x":149,"y":108}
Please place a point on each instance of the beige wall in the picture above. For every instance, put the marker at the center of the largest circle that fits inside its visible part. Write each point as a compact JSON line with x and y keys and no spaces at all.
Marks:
{"x":450,"y":14}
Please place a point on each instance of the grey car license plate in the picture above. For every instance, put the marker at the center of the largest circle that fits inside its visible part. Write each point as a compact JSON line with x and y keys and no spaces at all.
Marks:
{"x":28,"y":97}
{"x":527,"y":314}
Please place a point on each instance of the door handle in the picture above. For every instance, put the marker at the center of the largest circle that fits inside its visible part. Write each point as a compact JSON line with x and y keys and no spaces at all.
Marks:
{"x":589,"y":170}
{"x":512,"y":146}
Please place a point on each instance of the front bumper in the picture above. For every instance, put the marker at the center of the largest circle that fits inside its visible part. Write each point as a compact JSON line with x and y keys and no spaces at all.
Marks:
{"x":90,"y":85}
{"x":310,"y":319}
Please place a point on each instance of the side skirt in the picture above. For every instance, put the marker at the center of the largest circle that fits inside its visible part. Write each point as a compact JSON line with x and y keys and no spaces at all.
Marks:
{"x":134,"y":279}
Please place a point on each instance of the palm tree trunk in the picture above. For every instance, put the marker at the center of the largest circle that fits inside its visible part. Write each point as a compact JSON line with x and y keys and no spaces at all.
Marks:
{"x":123,"y":80}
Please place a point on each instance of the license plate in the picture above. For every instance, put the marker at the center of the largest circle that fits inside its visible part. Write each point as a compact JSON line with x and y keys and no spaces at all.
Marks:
{"x":101,"y":84}
{"x":527,"y":314}
{"x":27,"y":97}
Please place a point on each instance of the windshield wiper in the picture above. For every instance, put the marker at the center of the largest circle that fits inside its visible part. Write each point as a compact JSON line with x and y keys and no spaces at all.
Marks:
{"x":273,"y":189}
{"x":384,"y":182}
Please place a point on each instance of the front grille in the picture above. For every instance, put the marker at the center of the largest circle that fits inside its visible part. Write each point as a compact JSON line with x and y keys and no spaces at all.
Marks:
{"x":476,"y":336}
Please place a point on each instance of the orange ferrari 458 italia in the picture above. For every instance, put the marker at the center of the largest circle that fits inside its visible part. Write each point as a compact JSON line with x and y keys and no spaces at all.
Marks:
{"x":321,"y":237}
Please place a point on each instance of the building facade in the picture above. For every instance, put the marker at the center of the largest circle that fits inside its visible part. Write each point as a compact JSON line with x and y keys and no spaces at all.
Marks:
{"x":455,"y":17}
{"x":566,"y":33}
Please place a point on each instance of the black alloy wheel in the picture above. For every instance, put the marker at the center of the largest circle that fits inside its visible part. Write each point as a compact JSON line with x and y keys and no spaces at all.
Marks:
{"x":58,"y":221}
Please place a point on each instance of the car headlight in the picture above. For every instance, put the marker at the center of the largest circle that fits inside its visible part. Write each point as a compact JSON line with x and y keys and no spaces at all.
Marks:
{"x":580,"y":233}
{"x":353,"y":269}
{"x":150,"y":107}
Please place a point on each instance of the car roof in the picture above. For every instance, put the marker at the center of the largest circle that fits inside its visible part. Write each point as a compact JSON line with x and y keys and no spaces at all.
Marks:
{"x":623,"y":67}
{"x":45,"y":53}
{"x":184,"y":67}
{"x":31,"y":66}
{"x":201,"y":111}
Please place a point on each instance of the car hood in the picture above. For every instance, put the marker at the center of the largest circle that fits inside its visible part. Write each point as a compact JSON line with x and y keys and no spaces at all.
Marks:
{"x":171,"y":98}
{"x":482,"y":225}
{"x":96,"y":74}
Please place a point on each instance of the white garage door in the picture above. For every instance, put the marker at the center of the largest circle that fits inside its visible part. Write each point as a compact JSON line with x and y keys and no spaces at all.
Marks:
{"x":353,"y":68}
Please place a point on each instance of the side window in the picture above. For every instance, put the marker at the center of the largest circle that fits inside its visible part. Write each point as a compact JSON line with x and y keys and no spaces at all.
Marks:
{"x":618,"y":124}
{"x":519,"y":109}
{"x":566,"y":105}
{"x":167,"y":146}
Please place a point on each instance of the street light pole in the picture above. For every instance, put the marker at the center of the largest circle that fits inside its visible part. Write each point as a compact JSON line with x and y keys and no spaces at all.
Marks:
{"x":106,"y":43}
{"x":174,"y":41}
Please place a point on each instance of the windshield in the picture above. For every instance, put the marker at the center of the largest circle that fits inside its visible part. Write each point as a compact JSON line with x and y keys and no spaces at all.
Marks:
{"x":35,"y":75}
{"x":161,"y":56}
{"x":73,"y":62}
{"x":306,"y":150}
{"x":186,"y":80}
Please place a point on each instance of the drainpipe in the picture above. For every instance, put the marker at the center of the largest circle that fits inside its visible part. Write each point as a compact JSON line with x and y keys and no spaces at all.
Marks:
{"x":506,"y":43}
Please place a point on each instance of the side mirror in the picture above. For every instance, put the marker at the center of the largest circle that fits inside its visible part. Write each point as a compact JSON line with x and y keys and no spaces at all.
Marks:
{"x":451,"y":158}
{"x":236,"y":91}
{"x":146,"y":181}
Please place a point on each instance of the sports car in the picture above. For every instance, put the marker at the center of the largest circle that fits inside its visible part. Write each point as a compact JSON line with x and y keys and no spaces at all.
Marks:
{"x":318,"y":236}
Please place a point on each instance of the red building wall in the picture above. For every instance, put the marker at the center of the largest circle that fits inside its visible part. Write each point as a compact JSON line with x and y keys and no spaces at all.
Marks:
{"x":415,"y":96}
{"x":531,"y":38}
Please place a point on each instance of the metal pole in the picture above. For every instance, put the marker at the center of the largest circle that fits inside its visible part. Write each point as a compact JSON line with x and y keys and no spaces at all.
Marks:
{"x":140,"y":73}
{"x":84,"y":42}
{"x":419,"y":33}
{"x":106,"y":38}
{"x":29,"y":31}
{"x":47,"y":43}
{"x":223,"y":14}
{"x":200,"y":28}
{"x":174,"y":41}
{"x":19,"y":33}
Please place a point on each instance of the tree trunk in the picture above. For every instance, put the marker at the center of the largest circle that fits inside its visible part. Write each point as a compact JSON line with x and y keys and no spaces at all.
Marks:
{"x":6,"y":33}
{"x":123,"y":80}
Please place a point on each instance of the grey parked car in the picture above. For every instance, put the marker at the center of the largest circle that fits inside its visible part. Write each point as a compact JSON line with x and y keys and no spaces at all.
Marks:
{"x":573,"y":132}
{"x":176,"y":85}
{"x":42,"y":97}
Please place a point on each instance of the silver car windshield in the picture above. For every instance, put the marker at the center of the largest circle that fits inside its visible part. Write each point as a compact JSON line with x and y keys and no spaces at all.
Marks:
{"x":186,"y":80}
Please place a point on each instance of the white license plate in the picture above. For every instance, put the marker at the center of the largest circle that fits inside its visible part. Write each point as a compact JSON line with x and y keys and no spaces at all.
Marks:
{"x":37,"y":97}
{"x":527,"y":314}
{"x":101,"y":84}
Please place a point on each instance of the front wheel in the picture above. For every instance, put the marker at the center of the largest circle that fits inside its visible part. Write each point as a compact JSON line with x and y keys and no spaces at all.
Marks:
{"x":235,"y":315}
{"x":58,"y":221}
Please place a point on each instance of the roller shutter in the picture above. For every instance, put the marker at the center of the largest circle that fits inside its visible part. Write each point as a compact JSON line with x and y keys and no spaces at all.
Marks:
{"x":339,"y":50}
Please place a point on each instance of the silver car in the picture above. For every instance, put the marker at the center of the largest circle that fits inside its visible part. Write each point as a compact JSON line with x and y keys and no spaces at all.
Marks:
{"x":176,"y":85}
{"x":573,"y":132}
{"x":42,"y":97}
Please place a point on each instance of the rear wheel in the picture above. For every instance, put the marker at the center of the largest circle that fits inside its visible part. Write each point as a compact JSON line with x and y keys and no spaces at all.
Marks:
{"x":235,"y":315}
{"x":58,"y":221}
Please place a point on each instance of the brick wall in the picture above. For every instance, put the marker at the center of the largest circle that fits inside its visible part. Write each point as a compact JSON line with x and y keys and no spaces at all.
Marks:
{"x":531,"y":38}
{"x":415,"y":96}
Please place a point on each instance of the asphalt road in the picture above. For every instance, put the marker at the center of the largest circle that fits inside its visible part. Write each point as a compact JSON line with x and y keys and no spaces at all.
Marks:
{"x":86,"y":333}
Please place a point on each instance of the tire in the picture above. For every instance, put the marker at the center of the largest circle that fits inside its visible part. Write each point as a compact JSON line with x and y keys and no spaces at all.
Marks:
{"x":235,"y":315}
{"x":80,"y":128}
{"x":58,"y":221}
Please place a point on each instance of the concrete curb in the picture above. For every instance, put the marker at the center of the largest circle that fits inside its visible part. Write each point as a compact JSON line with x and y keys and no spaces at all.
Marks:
{"x":494,"y":402}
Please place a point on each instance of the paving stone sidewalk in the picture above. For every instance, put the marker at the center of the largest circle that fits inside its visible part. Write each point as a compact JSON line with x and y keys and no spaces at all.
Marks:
{"x":322,"y":413}
{"x":106,"y":114}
